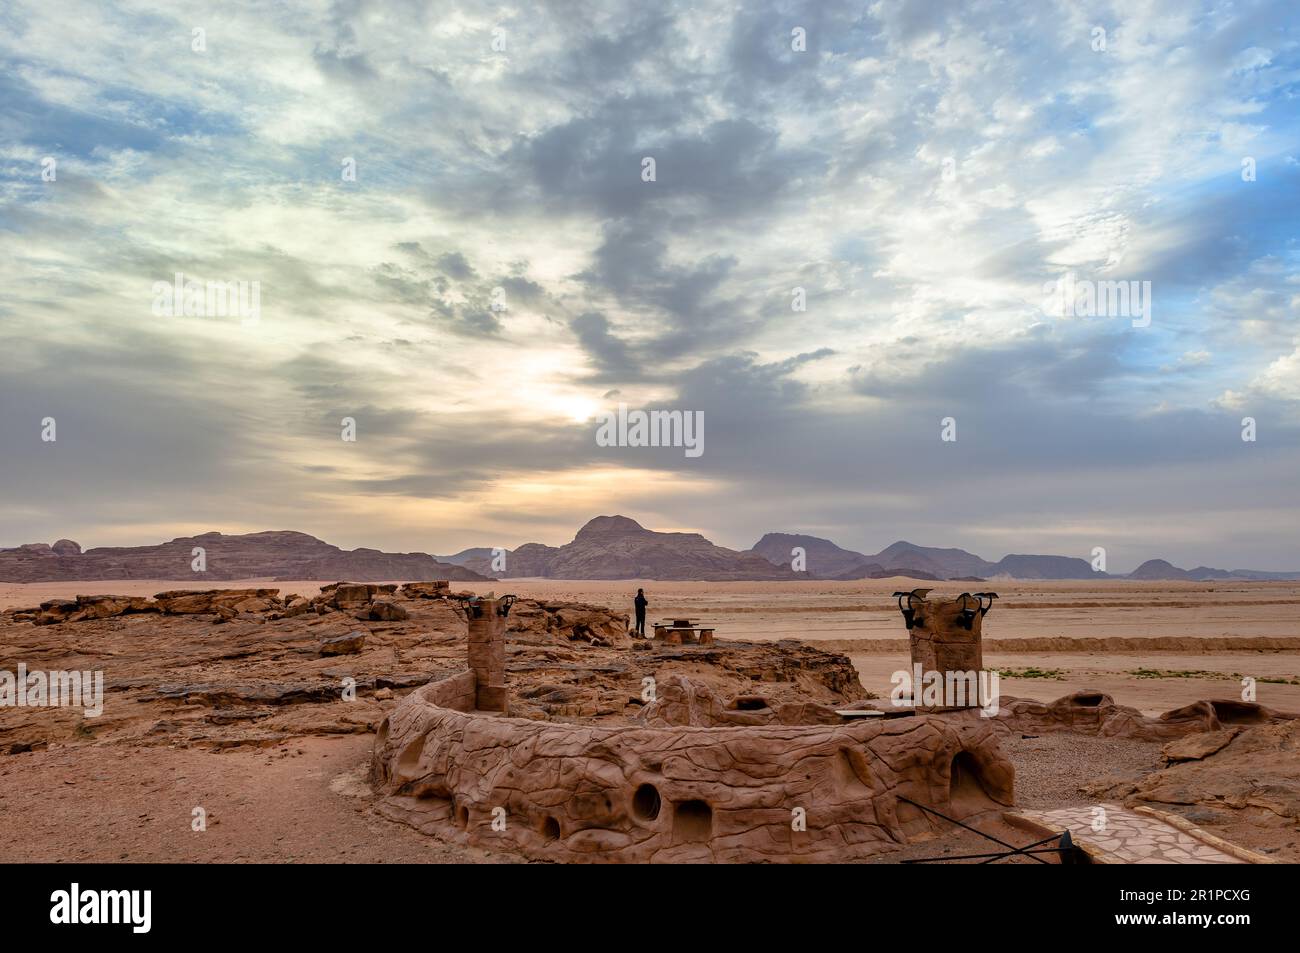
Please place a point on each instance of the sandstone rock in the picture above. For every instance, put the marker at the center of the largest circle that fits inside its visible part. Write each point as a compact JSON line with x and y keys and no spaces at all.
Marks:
{"x":347,"y":595}
{"x":85,"y":608}
{"x":254,"y":604}
{"x":56,"y":610}
{"x":680,"y":701}
{"x":1197,"y":746}
{"x":66,"y":547}
{"x":1251,"y":783}
{"x":202,"y":601}
{"x":298,"y":606}
{"x":383,"y":610}
{"x":427,"y":590}
{"x":229,"y":694}
{"x":574,"y":622}
{"x":231,"y":716}
{"x":344,"y":644}
{"x":277,"y":664}
{"x":1095,"y":712}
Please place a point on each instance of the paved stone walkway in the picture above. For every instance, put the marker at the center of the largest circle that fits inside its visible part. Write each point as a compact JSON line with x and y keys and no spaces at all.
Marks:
{"x":1131,"y":838}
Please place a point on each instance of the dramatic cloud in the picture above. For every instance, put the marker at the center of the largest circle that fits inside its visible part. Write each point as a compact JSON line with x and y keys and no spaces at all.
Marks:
{"x":827,"y":226}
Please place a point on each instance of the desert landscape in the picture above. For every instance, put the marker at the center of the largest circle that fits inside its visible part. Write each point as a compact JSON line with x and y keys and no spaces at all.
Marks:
{"x":1154,"y":644}
{"x":589,"y":434}
{"x":236,"y":710}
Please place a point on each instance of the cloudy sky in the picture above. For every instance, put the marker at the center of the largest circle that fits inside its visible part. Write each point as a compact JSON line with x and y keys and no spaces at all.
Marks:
{"x":922,"y":171}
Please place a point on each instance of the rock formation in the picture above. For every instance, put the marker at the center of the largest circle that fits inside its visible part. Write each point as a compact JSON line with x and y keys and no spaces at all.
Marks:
{"x":682,"y":702}
{"x":447,"y":760}
{"x":253,"y":667}
{"x":278,"y":555}
{"x":637,"y":794}
{"x":1096,"y":713}
{"x":615,"y":547}
{"x":1240,"y":781}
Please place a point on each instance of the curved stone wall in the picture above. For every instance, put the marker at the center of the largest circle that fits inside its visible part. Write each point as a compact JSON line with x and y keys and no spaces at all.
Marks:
{"x":569,"y":792}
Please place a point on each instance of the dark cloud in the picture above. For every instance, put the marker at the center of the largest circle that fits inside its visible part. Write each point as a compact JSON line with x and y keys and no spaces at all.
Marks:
{"x":455,"y":265}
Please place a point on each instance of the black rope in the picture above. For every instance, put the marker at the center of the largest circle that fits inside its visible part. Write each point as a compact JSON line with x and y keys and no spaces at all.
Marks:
{"x":1010,"y":847}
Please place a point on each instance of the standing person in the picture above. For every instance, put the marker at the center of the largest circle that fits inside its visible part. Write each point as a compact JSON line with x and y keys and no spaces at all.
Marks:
{"x":640,"y":603}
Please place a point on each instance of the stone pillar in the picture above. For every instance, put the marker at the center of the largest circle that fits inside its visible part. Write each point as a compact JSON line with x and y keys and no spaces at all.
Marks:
{"x":940,"y":641}
{"x":487,"y":653}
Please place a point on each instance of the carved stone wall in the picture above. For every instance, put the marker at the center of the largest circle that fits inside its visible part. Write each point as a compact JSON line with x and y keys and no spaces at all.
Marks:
{"x":567,"y":792}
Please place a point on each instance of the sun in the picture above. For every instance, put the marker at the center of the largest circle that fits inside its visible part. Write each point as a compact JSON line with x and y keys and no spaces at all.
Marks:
{"x":578,"y":409}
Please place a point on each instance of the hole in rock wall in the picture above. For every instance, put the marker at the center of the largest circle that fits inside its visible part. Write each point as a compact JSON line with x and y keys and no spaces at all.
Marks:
{"x":1088,"y":701}
{"x":646,"y":803}
{"x":408,"y":761}
{"x":550,"y":828}
{"x":1237,"y":713}
{"x":966,"y":794}
{"x":692,"y":822}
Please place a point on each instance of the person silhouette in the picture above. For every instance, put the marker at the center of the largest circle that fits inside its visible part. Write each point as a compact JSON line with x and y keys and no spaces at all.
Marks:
{"x":640,"y":603}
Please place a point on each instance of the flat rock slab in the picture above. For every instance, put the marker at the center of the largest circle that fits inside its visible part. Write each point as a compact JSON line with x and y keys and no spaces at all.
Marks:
{"x":348,"y":644}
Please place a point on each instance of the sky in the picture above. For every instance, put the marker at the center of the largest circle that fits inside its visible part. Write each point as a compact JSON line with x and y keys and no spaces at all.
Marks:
{"x":457,"y":244}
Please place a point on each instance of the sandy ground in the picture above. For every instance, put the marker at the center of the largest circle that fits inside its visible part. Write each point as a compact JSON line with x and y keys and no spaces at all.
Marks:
{"x":1061,"y":610}
{"x":302,"y":802}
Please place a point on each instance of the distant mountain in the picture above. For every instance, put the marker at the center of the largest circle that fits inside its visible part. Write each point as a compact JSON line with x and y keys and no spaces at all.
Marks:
{"x":941,"y":562}
{"x":530,"y":559}
{"x":1046,"y":567}
{"x":616,"y":547}
{"x":607,"y":547}
{"x":1160,"y":569}
{"x":824,"y":559}
{"x":278,"y":554}
{"x":466,"y":556}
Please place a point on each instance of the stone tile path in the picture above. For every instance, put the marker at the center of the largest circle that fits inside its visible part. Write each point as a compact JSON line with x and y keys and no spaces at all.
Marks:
{"x":1130,"y":838}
